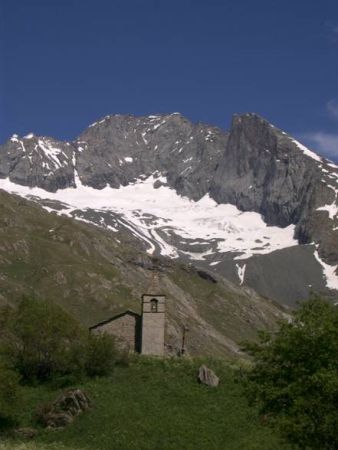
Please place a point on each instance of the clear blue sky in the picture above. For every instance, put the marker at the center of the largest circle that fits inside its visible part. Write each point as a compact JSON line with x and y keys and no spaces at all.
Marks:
{"x":65,"y":63}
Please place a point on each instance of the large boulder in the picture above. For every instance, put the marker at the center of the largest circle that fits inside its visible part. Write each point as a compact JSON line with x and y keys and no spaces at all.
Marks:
{"x":207,"y":376}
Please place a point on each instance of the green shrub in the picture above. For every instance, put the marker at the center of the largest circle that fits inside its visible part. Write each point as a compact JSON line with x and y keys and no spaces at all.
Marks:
{"x":9,"y":395}
{"x":124,"y":357}
{"x":42,"y":342}
{"x":101,"y":354}
{"x":294,"y":380}
{"x":39,"y":339}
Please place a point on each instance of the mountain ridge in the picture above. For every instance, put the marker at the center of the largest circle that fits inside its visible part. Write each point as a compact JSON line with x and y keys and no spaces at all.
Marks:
{"x":255,"y":166}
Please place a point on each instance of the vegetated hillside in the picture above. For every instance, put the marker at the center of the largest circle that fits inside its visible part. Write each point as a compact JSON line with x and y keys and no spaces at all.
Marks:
{"x":153,"y":405}
{"x":95,"y":274}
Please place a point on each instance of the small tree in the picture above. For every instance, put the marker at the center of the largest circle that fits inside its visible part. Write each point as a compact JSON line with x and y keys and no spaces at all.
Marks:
{"x":38,"y":339}
{"x":294,"y":379}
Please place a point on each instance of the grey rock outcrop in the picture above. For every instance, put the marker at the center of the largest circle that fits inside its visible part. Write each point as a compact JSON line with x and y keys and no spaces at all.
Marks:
{"x":261,"y":170}
{"x":120,"y":149}
{"x":265,"y":170}
{"x":65,"y":409}
{"x":38,"y":161}
{"x":207,"y":376}
{"x":117,"y":150}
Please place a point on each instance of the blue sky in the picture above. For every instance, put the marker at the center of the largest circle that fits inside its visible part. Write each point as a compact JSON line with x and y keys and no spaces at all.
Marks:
{"x":65,"y":63}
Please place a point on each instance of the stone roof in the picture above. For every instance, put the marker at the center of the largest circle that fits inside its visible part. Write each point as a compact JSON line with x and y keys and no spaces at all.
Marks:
{"x":117,"y":316}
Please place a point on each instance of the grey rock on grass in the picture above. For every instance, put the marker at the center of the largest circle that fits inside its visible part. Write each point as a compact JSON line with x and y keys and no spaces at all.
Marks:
{"x":207,"y":376}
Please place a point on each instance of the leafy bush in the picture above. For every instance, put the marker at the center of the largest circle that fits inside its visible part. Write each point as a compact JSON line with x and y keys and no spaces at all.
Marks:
{"x":9,"y":394}
{"x":42,"y":342}
{"x":101,"y":354}
{"x":295,"y":376}
{"x":39,"y":338}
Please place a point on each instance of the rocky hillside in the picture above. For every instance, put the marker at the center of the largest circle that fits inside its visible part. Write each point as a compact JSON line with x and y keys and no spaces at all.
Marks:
{"x":252,"y":204}
{"x":95,"y":274}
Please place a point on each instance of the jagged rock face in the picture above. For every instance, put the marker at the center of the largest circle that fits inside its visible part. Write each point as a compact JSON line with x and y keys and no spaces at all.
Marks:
{"x":256,"y":167}
{"x":38,"y":161}
{"x":117,"y":150}
{"x":120,"y":149}
{"x":263,"y":170}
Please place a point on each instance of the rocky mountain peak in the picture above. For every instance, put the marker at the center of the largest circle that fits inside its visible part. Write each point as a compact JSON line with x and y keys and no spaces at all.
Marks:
{"x":38,"y":161}
{"x":254,"y":167}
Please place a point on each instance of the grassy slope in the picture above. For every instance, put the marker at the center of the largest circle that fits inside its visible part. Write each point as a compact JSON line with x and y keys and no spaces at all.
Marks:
{"x":95,"y":274}
{"x":157,"y":404}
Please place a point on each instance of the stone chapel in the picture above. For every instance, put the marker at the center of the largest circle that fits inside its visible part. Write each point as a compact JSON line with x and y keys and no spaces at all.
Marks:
{"x":140,"y":333}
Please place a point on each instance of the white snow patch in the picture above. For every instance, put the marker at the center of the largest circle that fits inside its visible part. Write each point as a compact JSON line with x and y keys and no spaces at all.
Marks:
{"x":155,"y":127}
{"x":306,"y":151}
{"x":29,"y":136}
{"x":209,"y":136}
{"x":22,"y":146}
{"x":144,"y":138}
{"x":101,"y":121}
{"x":77,"y":181}
{"x":241,"y":272}
{"x":198,"y":256}
{"x":166,"y":249}
{"x":235,"y":231}
{"x":331,"y":209}
{"x":52,"y":153}
{"x":329,"y":272}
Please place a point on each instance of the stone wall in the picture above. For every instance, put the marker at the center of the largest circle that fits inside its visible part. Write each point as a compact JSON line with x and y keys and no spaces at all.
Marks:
{"x":126,"y":329}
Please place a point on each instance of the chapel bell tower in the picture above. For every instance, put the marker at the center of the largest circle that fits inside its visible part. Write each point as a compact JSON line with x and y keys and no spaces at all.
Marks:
{"x":153,"y":319}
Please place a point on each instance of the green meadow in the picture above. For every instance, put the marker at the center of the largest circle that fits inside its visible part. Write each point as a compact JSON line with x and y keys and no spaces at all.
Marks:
{"x":153,"y":404}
